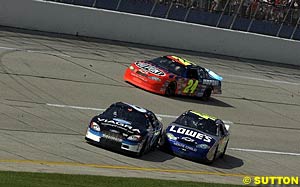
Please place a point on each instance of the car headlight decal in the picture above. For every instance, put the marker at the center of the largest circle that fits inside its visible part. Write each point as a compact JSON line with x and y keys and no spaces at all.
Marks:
{"x":203,"y":146}
{"x":131,"y":68}
{"x":171,"y":136}
{"x":135,"y":138}
{"x":95,"y":126}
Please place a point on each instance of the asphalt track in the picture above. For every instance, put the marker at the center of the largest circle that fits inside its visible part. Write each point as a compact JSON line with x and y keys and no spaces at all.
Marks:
{"x":50,"y":87}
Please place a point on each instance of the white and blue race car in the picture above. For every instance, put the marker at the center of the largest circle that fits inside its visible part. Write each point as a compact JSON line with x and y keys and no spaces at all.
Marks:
{"x":125,"y":127}
{"x":196,"y":136}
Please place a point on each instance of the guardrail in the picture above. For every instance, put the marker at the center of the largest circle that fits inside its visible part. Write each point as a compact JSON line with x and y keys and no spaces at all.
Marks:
{"x":91,"y":22}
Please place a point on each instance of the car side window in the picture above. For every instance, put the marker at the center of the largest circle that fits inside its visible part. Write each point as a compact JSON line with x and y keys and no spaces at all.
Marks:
{"x":192,"y":74}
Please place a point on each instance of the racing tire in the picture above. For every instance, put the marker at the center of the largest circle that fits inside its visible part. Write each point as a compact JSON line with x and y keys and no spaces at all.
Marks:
{"x":223,"y":153}
{"x":143,"y":150}
{"x":170,"y":90}
{"x":207,"y":94}
{"x":208,"y":162}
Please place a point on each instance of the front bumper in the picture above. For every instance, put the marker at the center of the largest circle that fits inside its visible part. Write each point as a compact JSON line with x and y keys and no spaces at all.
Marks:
{"x":143,"y":82}
{"x":187,"y":151}
{"x":104,"y":140}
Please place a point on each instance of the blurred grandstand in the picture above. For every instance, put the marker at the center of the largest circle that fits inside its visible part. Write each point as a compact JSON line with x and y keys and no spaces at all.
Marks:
{"x":280,"y":18}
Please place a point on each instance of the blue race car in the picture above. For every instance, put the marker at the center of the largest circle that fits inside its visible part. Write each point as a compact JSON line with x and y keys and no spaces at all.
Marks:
{"x":125,"y":127}
{"x":196,"y":136}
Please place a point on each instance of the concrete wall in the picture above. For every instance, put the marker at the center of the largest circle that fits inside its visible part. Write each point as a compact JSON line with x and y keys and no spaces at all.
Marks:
{"x":69,"y":19}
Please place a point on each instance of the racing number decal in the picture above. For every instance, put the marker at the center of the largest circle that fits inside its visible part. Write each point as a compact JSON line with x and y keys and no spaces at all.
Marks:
{"x":191,"y":86}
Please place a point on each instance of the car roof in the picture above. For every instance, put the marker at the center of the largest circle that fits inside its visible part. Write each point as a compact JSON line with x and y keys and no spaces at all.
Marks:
{"x":136,"y":108}
{"x":180,"y":60}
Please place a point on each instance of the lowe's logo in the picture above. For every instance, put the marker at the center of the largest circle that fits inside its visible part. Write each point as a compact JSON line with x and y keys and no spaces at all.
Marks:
{"x":191,"y":133}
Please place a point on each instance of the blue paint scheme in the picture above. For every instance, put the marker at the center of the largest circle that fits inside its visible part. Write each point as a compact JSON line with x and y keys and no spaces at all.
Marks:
{"x":188,"y":150}
{"x":97,"y":133}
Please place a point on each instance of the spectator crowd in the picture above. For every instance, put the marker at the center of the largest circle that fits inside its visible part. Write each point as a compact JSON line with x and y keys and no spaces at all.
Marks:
{"x":278,"y":11}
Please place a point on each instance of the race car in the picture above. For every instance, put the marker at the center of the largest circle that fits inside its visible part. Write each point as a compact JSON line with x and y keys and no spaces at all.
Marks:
{"x":173,"y":75}
{"x":125,"y":127}
{"x":196,"y":136}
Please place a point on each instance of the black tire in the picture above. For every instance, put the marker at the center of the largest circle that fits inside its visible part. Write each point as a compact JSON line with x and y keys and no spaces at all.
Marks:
{"x":170,"y":90}
{"x":143,"y":150}
{"x":223,"y":153}
{"x":207,"y":94}
{"x":214,"y":158}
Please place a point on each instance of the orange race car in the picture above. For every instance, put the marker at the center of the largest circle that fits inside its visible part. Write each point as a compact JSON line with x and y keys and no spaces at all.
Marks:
{"x":172,"y":75}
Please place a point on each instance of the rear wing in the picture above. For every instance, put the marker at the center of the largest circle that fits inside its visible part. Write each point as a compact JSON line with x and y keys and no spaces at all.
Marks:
{"x":227,"y":124}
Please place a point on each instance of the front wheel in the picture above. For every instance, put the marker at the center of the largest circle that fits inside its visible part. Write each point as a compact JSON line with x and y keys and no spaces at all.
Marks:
{"x":206,"y":94}
{"x":223,"y":153}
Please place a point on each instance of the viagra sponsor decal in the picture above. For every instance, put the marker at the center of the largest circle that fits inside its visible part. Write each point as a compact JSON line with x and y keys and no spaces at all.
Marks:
{"x":117,"y":124}
{"x":149,"y":68}
{"x":191,"y":133}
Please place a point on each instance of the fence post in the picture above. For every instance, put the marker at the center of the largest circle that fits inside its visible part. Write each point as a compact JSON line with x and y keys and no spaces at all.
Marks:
{"x":153,"y":8}
{"x":296,"y":26}
{"x":167,"y":14}
{"x":253,"y":18}
{"x":118,"y":5}
{"x":223,"y":11}
{"x":285,"y":17}
{"x":235,"y":16}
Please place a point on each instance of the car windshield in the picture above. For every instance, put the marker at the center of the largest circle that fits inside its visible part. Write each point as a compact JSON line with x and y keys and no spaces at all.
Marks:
{"x":194,"y":121}
{"x":126,"y":113}
{"x":169,"y":65}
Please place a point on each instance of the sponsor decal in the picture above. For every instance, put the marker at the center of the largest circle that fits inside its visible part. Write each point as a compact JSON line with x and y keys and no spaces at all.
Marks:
{"x":118,"y":124}
{"x":191,"y":133}
{"x":178,"y":144}
{"x":210,"y":82}
{"x":149,"y":68}
{"x":188,"y":139}
{"x":112,"y":138}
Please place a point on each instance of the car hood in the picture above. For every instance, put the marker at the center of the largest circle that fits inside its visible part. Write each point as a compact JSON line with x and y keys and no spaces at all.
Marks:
{"x":119,"y":125}
{"x":150,"y":68}
{"x":191,"y":135}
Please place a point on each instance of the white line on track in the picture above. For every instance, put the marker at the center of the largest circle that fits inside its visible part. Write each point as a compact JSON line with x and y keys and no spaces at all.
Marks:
{"x":33,"y":51}
{"x":265,"y":151}
{"x":102,"y":109}
{"x":173,"y":117}
{"x":260,"y":79}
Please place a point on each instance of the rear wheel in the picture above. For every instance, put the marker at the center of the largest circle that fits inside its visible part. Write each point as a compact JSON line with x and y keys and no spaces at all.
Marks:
{"x":207,"y":94}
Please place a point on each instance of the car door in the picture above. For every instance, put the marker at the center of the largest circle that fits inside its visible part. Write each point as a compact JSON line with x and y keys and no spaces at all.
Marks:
{"x":191,"y":82}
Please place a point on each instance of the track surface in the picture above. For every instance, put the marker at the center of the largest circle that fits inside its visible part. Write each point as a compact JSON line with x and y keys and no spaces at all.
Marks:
{"x":262,"y":101}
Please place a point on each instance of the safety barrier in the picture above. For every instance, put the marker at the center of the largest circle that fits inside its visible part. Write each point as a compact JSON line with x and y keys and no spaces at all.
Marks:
{"x":91,"y":22}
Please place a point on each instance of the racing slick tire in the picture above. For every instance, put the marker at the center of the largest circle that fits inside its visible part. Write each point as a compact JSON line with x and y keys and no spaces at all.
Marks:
{"x":170,"y":90}
{"x":207,"y":94}
{"x":143,"y":150}
{"x":223,"y":153}
{"x":209,"y":162}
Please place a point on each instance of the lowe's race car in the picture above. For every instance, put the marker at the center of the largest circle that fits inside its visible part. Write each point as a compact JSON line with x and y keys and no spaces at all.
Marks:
{"x":125,"y":127}
{"x":173,"y":75}
{"x":196,"y":136}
